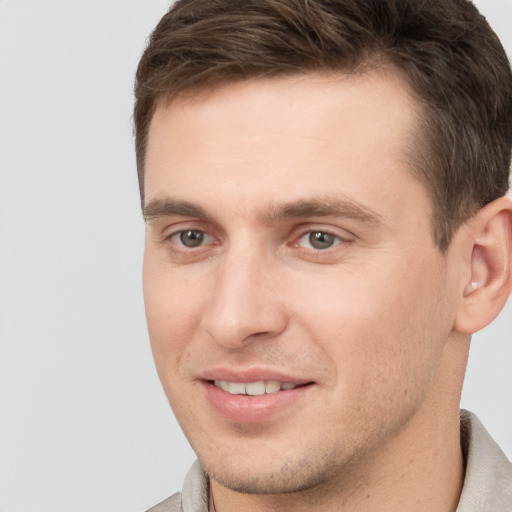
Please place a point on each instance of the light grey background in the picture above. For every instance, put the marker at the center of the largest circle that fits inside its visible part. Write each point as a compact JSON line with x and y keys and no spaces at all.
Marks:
{"x":84,"y":425}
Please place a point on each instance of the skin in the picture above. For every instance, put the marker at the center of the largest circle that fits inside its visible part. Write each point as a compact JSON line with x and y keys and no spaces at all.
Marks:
{"x":370,"y":321}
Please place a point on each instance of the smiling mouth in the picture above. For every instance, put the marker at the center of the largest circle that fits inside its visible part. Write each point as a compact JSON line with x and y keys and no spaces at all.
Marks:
{"x":254,"y":402}
{"x":254,"y":388}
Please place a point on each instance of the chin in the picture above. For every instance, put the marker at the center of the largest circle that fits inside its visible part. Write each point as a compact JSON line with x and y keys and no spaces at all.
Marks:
{"x":267,"y":483}
{"x":282,"y":476}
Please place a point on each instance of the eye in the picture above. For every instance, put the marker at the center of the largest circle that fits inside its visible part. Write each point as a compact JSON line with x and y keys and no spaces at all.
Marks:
{"x":190,"y":238}
{"x":318,"y":240}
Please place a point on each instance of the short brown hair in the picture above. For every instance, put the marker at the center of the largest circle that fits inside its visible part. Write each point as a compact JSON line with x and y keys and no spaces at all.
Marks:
{"x":451,"y":59}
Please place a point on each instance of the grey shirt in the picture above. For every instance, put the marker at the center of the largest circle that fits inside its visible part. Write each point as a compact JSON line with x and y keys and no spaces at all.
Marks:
{"x":487,"y":482}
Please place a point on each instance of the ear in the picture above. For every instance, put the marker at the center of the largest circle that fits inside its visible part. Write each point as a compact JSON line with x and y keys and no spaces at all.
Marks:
{"x":490,"y":253}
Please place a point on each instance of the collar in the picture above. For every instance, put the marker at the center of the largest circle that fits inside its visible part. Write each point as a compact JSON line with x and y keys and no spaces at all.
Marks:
{"x":488,"y":478}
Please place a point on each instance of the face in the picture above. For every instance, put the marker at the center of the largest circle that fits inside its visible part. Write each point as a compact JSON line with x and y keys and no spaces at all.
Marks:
{"x":297,"y":307}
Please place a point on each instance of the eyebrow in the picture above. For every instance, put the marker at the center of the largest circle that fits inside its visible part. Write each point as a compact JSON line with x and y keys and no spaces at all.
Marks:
{"x":158,"y":208}
{"x":322,"y":207}
{"x":314,"y":207}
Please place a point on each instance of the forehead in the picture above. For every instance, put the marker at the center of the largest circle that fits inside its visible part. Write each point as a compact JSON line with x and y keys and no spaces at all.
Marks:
{"x":300,"y":131}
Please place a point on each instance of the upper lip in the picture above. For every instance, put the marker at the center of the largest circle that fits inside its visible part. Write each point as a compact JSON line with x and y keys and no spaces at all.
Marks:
{"x":251,"y":375}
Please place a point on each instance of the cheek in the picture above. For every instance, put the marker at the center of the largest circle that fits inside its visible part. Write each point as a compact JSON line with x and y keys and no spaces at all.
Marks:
{"x":382,"y":329}
{"x":172,"y":317}
{"x":172,"y":303}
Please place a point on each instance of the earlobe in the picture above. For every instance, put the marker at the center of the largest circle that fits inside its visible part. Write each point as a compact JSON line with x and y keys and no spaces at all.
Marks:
{"x":490,"y":281}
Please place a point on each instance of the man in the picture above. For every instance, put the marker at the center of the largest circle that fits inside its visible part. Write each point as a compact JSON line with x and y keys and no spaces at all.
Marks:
{"x":325,"y":190}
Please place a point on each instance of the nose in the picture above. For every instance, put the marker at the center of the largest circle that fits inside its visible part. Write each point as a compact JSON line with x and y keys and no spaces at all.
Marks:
{"x":245,"y":304}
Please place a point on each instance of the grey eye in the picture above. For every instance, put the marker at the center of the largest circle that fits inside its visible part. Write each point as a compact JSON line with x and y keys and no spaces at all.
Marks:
{"x":319,"y":240}
{"x":192,"y":238}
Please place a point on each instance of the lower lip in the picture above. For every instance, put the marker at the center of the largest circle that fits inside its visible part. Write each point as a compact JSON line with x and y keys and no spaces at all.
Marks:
{"x":252,"y":409}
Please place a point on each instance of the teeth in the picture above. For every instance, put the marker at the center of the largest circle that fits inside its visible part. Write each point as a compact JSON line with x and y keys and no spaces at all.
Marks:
{"x":236,"y":388}
{"x":272,"y":386}
{"x":253,"y":388}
